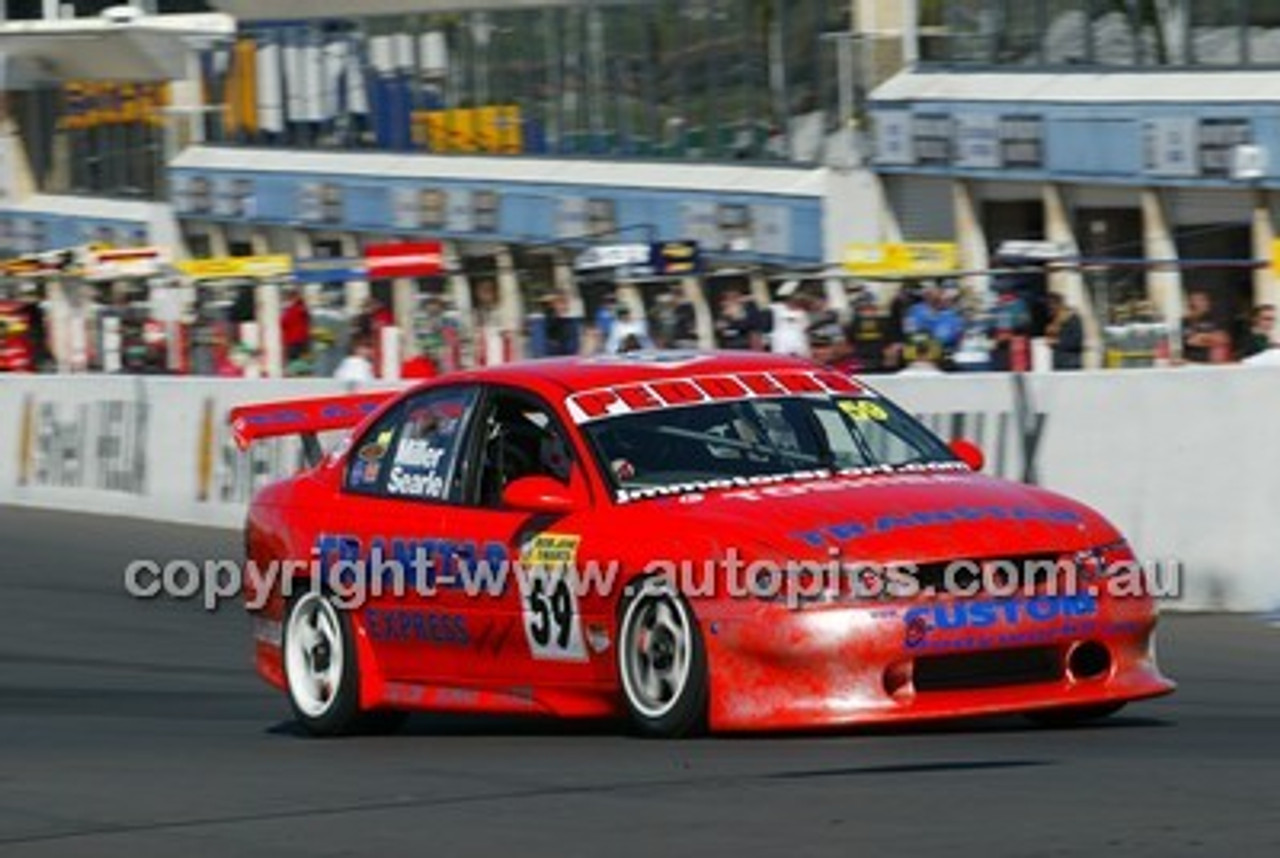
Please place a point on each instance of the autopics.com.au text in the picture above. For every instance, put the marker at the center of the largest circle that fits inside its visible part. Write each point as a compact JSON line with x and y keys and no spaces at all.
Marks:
{"x":352,"y":582}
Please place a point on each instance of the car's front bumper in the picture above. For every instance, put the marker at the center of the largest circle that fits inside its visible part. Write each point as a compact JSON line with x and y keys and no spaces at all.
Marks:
{"x":776,"y":668}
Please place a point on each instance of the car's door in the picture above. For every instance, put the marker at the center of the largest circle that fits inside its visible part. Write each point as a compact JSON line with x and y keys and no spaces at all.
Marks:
{"x":401,"y":478}
{"x":530,"y":625}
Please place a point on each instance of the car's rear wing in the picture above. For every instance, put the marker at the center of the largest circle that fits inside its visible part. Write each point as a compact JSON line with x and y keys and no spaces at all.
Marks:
{"x":304,"y":417}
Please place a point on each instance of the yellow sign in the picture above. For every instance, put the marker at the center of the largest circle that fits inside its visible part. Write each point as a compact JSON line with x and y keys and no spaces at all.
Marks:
{"x":480,"y":129}
{"x":1275,"y":256}
{"x":92,"y":104}
{"x":919,"y":258}
{"x":553,"y":552}
{"x":237,"y":266}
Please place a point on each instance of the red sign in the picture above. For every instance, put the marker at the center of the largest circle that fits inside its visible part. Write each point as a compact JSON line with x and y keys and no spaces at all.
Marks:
{"x":404,"y":259}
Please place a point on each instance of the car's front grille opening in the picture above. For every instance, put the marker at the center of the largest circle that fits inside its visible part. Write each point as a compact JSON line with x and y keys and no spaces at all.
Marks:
{"x":958,"y":671}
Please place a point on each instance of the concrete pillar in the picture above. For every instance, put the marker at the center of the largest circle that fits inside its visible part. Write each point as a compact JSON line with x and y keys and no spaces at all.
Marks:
{"x":971,"y":238}
{"x":219,"y":246}
{"x":890,"y":225}
{"x":691,"y":289}
{"x":758,"y":290}
{"x":1164,"y":284}
{"x":357,"y":290}
{"x":267,"y":294}
{"x":629,"y":294}
{"x":404,"y":305}
{"x":260,"y":242}
{"x":459,"y":290}
{"x":564,"y":281}
{"x":59,"y":322}
{"x":510,"y":300}
{"x":1266,"y":287}
{"x":1069,"y":282}
{"x":302,"y":248}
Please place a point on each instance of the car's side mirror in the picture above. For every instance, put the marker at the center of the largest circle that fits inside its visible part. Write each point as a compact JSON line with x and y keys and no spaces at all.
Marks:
{"x":969,"y":453}
{"x":540,"y":494}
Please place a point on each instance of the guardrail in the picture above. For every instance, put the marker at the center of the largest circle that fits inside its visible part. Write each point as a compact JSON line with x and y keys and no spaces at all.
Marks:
{"x":1186,"y":461}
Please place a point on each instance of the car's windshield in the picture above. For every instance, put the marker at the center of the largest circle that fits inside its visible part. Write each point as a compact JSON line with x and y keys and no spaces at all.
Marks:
{"x":759,"y":437}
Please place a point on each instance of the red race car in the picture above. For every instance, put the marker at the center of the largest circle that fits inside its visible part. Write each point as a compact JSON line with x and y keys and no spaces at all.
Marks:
{"x":722,"y":541}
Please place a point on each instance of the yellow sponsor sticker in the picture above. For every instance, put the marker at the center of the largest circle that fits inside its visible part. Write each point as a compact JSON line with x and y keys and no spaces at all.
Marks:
{"x":551,"y":551}
{"x":864,"y":409}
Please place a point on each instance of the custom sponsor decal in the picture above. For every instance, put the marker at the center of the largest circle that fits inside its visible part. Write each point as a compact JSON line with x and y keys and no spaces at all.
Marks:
{"x":415,"y":469}
{"x":859,"y":410}
{"x":552,"y":623}
{"x":988,"y":621}
{"x":768,"y":486}
{"x":848,"y":531}
{"x":368,"y":464}
{"x":590,"y":405}
{"x":408,"y":626}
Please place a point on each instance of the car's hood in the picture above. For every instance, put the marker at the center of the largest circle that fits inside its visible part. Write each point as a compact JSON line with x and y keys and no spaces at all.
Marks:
{"x":920,"y":517}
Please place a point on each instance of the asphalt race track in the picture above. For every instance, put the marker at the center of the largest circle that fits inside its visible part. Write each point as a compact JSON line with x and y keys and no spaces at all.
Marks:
{"x":137,"y":728}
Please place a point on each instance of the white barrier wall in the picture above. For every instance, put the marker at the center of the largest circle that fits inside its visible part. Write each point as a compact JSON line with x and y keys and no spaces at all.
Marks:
{"x":140,"y":446}
{"x":1186,"y":462}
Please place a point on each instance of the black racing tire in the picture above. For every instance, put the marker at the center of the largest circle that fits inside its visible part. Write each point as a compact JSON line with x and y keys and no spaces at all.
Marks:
{"x":662,"y":662}
{"x":322,"y":671}
{"x":1071,"y":716}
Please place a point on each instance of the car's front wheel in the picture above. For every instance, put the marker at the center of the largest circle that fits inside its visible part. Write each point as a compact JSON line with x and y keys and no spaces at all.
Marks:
{"x":662,"y":662}
{"x":322,"y":673}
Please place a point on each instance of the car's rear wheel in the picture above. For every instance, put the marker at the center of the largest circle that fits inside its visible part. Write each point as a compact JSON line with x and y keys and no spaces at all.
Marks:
{"x":1069,"y":716}
{"x":322,"y":673}
{"x":662,"y":662}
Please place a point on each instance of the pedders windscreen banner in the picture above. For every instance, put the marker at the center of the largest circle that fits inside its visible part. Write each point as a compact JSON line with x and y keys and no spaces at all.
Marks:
{"x":404,"y":259}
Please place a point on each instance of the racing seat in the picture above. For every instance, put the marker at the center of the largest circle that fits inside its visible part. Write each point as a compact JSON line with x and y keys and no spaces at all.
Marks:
{"x":513,"y":448}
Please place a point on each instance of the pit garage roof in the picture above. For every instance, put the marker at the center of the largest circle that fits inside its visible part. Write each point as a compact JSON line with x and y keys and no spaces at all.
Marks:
{"x":141,"y":48}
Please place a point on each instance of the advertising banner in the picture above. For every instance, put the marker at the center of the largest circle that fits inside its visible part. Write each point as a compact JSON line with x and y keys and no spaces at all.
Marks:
{"x":404,"y":259}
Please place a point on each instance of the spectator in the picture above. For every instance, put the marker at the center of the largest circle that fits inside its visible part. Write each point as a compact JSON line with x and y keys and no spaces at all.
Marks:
{"x":627,"y":334}
{"x":564,"y":332}
{"x":42,"y":359}
{"x":1262,"y":323}
{"x":605,"y":316}
{"x":372,"y":319}
{"x":1203,"y":339}
{"x":907,"y":297}
{"x":357,"y":367}
{"x":737,"y":325}
{"x":418,"y":368}
{"x":868,"y":335}
{"x":974,"y":352}
{"x":936,"y":317}
{"x":1065,"y":333}
{"x":829,"y":346}
{"x":1012,"y":323}
{"x":672,"y":321}
{"x":295,"y":326}
{"x":922,"y":355}
{"x":789,"y":331}
{"x":630,"y":343}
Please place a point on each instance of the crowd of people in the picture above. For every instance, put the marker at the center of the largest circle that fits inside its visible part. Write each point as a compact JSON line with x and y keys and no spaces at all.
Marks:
{"x":926,"y":326}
